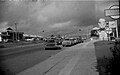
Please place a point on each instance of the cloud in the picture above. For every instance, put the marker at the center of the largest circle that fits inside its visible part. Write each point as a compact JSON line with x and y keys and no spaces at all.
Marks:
{"x":59,"y":25}
{"x":48,"y":14}
{"x":3,"y":24}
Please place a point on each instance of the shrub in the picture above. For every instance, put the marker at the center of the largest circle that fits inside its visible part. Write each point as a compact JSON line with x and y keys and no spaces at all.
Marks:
{"x":114,"y":65}
{"x":2,"y":46}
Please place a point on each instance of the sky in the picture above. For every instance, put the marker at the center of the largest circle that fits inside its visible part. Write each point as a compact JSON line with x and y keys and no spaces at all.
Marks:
{"x":41,"y":16}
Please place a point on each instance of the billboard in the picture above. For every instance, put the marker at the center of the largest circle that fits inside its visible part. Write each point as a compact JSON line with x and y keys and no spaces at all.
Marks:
{"x":113,"y":12}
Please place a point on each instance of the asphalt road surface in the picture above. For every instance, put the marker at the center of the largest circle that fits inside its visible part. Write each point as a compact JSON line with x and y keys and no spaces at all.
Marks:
{"x":15,"y":60}
{"x":76,"y":60}
{"x":63,"y":63}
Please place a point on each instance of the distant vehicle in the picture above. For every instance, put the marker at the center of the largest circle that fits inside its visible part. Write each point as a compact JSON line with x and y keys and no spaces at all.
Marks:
{"x":76,"y":41}
{"x":30,"y":39}
{"x":79,"y":39}
{"x":73,"y":42}
{"x":59,"y":41}
{"x":66,"y":42}
{"x":51,"y":44}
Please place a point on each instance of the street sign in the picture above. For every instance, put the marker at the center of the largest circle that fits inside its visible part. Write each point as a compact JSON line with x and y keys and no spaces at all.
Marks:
{"x":112,"y":24}
{"x":102,"y":35}
{"x":113,"y":12}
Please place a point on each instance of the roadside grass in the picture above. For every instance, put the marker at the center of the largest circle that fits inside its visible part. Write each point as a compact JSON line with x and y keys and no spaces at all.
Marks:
{"x":108,"y":57}
{"x":21,"y":43}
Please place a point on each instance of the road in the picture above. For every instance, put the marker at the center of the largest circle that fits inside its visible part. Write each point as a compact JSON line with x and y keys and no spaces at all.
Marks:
{"x":76,"y":60}
{"x":15,"y":60}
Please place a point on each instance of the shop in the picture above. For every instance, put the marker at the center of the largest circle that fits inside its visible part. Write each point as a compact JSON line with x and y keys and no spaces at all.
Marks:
{"x":9,"y":35}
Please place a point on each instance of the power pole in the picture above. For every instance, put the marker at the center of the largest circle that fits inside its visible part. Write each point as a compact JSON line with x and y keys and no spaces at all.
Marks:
{"x":16,"y":31}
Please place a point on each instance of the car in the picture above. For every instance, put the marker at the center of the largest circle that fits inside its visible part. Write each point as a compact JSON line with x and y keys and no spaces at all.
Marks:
{"x":80,"y":39}
{"x":76,"y":41}
{"x":73,"y":42}
{"x":51,"y":44}
{"x":66,"y":42}
{"x":59,"y":41}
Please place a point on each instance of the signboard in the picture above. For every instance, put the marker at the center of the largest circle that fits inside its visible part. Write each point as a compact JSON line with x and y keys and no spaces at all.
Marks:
{"x":103,"y":35}
{"x":113,"y":12}
{"x":102,"y":23}
{"x":112,"y":24}
{"x":109,"y":30}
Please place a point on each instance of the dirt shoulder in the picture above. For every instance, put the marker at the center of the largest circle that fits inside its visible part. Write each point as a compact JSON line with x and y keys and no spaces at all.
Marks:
{"x":17,"y":44}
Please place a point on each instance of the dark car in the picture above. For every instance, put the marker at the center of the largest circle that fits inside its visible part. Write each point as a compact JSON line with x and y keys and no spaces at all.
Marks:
{"x":80,"y":39}
{"x":59,"y":41}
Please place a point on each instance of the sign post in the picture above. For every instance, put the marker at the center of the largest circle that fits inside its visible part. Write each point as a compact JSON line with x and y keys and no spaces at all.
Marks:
{"x":116,"y":28}
{"x":113,"y":12}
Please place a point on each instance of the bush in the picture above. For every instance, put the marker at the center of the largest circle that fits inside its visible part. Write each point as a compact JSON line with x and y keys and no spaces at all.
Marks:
{"x":115,"y":61}
{"x":2,"y":46}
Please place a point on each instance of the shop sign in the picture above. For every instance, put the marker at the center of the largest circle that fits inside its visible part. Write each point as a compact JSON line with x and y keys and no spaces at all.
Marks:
{"x":113,"y":12}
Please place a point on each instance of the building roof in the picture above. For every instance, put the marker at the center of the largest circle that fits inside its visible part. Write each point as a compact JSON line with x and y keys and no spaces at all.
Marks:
{"x":6,"y":29}
{"x":9,"y":29}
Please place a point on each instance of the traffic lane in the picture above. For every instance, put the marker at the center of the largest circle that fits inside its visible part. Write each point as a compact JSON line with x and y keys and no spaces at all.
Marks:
{"x":15,"y":63}
{"x":65,"y":62}
{"x":54,"y":64}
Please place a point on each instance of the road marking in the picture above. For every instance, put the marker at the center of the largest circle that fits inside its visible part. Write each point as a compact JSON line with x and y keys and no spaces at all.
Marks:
{"x":68,"y":68}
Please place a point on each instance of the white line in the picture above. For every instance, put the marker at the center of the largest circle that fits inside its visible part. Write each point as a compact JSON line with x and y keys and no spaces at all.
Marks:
{"x":68,"y":68}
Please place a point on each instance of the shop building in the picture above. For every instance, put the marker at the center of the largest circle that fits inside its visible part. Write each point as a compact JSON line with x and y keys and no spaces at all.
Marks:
{"x":9,"y":35}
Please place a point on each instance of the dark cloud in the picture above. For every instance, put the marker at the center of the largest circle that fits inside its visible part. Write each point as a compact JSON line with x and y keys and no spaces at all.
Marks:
{"x":35,"y":16}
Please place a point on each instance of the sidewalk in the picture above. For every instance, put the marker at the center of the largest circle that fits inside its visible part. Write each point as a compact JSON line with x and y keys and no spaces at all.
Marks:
{"x":76,"y":60}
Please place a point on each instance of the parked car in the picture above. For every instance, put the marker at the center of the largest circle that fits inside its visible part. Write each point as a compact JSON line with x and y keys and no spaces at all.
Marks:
{"x":66,"y":42}
{"x":76,"y":41}
{"x":51,"y":44}
{"x":30,"y":39}
{"x":73,"y":42}
{"x":80,"y":39}
{"x":59,"y":41}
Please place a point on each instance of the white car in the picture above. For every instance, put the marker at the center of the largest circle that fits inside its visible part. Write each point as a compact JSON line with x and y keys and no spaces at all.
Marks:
{"x":73,"y":42}
{"x":66,"y":42}
{"x":31,"y":39}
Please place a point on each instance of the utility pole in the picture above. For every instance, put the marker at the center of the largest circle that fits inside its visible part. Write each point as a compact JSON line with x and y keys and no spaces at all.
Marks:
{"x":116,"y":29}
{"x":16,"y":31}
